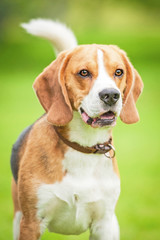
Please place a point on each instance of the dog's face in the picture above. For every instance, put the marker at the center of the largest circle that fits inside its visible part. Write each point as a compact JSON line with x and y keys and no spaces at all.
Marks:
{"x":96,"y":80}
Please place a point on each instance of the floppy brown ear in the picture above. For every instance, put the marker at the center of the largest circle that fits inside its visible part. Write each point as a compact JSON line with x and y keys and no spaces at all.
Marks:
{"x":134,"y":87}
{"x":52,"y":93}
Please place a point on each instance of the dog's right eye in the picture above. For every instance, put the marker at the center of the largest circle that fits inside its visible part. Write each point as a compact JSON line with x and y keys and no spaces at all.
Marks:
{"x":84,"y":73}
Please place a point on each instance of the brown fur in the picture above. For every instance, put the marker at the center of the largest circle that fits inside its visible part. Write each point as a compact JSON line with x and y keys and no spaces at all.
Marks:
{"x":131,"y":90}
{"x":29,"y":229}
{"x":41,"y":163}
{"x":51,"y":92}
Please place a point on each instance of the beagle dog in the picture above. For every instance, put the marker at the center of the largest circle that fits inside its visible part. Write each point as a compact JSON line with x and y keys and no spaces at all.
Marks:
{"x":65,"y":175}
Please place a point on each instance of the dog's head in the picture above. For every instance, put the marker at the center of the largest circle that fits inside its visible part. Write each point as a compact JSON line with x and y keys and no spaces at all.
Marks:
{"x":97,"y":80}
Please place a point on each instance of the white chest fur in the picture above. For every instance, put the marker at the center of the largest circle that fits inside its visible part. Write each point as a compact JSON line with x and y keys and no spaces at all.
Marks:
{"x":88,"y":193}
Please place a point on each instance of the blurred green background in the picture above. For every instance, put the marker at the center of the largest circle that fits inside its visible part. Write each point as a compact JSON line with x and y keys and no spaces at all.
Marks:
{"x":135,"y":27}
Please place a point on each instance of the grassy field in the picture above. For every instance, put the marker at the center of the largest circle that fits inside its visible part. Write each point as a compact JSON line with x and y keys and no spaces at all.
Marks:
{"x":137,"y":145}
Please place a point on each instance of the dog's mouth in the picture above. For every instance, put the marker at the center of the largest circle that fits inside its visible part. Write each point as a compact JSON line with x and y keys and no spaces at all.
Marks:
{"x":106,"y":119}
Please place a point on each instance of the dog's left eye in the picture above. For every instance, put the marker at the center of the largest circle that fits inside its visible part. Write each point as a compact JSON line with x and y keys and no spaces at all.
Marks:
{"x":84,"y":73}
{"x":118,"y":72}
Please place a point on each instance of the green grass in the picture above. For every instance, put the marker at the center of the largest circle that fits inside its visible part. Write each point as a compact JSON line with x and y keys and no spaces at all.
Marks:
{"x":137,"y":146}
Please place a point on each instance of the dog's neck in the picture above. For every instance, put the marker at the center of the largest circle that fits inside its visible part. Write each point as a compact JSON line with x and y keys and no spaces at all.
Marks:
{"x":84,"y":134}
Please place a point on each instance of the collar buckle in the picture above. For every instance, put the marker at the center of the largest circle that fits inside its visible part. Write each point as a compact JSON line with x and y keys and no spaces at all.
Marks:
{"x":113,"y":150}
{"x":102,"y":148}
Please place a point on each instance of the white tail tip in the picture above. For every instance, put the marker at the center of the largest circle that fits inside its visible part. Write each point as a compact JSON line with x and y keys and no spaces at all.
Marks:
{"x":57,"y":33}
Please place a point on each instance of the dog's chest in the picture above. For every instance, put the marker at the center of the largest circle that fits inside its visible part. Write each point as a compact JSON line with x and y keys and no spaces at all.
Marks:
{"x":89,"y":191}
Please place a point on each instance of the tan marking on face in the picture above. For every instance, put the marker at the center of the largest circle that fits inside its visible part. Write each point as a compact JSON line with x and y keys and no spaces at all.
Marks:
{"x":83,"y":57}
{"x":113,"y":60}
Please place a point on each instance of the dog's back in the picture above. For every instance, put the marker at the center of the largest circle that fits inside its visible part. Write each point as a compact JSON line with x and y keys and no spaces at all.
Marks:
{"x":17,"y":151}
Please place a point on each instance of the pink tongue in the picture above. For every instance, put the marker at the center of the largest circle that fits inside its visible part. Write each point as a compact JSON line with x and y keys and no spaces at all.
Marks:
{"x":108,"y":115}
{"x":85,"y":117}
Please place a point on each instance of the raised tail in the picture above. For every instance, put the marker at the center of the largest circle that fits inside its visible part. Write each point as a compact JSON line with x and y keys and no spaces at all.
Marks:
{"x":57,"y":33}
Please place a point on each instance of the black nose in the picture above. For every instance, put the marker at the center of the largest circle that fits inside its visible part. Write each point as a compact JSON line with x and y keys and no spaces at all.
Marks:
{"x":109,"y":96}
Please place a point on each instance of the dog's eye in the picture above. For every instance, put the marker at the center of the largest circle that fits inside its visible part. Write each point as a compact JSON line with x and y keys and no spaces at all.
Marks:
{"x":84,"y":73}
{"x":118,"y":72}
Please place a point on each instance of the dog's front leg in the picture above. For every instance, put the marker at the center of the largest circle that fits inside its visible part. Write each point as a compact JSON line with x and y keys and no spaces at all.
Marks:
{"x":29,"y":230}
{"x":105,"y":229}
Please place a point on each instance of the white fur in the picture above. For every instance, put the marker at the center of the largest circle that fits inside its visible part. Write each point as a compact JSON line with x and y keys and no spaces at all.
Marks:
{"x":92,"y":104}
{"x":84,"y":134}
{"x":57,"y":33}
{"x":116,"y":230}
{"x":16,"y":225}
{"x":86,"y":196}
{"x":105,"y":230}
